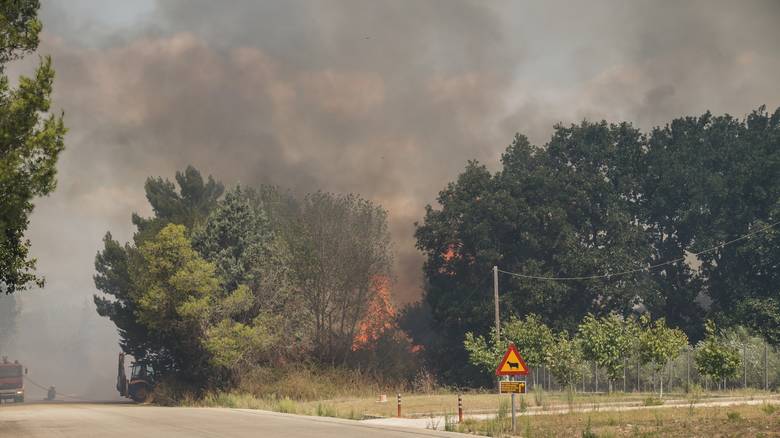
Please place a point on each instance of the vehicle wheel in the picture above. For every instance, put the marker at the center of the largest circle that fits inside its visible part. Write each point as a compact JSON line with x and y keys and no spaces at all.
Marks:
{"x":140,"y":394}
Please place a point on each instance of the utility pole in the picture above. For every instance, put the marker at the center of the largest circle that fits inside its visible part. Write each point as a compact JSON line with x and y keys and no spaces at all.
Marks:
{"x":498,"y":325}
{"x":495,"y":299}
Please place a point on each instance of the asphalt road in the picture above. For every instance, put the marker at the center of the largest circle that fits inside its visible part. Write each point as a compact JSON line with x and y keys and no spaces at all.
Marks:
{"x":133,"y":421}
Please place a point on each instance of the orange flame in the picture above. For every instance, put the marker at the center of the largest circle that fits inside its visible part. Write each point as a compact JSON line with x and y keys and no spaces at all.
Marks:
{"x":380,"y":315}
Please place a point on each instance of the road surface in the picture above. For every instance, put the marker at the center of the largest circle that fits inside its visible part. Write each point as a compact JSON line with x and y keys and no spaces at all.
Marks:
{"x":122,"y":420}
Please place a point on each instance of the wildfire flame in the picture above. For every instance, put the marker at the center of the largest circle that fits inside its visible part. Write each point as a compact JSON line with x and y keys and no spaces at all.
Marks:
{"x":380,"y":315}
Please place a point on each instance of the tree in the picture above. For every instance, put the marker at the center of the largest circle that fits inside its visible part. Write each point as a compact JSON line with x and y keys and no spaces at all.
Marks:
{"x":31,"y":140}
{"x":714,"y":358}
{"x":189,"y":206}
{"x":565,"y":360}
{"x":707,"y":180}
{"x":340,"y":246}
{"x":121,"y":271}
{"x":531,"y":336}
{"x":251,"y":318}
{"x":658,"y":344}
{"x":606,"y":340}
{"x":173,"y":298}
{"x":563,"y":210}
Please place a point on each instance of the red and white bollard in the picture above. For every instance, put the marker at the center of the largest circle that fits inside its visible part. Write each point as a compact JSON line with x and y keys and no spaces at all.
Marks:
{"x":399,"y":404}
{"x":460,"y":409}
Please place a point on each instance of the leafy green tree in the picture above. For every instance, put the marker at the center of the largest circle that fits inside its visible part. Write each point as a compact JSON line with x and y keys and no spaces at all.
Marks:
{"x":251,"y":318}
{"x":707,"y":180}
{"x":121,"y":271}
{"x":565,"y":360}
{"x":190,"y":205}
{"x":31,"y":140}
{"x":563,"y":210}
{"x":714,"y":358}
{"x":483,"y":353}
{"x":173,"y":298}
{"x":607,"y":340}
{"x":658,"y":344}
{"x":530,"y":335}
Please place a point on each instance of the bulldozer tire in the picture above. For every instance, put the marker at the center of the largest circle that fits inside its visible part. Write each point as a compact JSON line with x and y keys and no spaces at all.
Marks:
{"x":140,"y":395}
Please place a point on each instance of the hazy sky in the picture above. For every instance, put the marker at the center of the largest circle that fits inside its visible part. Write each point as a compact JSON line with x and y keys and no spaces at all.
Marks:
{"x":387,"y":99}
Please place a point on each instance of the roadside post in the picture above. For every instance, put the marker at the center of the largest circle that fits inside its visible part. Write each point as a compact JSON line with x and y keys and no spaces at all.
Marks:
{"x":399,"y":405}
{"x":512,"y":366}
{"x":460,"y":408}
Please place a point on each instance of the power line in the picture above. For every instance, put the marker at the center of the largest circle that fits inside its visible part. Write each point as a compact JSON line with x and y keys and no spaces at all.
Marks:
{"x":645,"y":269}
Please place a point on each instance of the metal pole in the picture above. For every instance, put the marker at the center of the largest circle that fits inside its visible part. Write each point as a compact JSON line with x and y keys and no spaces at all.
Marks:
{"x":495,"y":299}
{"x":688,"y":368}
{"x":460,"y":408}
{"x":514,"y":428}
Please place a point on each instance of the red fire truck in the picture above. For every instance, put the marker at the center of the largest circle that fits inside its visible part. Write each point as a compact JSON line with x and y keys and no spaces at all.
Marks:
{"x":11,"y":381}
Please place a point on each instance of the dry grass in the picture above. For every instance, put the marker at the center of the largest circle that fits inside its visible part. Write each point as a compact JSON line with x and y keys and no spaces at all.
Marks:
{"x":731,"y":421}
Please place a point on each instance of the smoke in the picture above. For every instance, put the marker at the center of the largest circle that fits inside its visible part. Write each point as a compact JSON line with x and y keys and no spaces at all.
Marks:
{"x":385,"y":99}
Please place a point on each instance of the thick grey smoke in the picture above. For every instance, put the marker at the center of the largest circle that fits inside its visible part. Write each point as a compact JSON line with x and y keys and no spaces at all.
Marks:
{"x":386,"y":99}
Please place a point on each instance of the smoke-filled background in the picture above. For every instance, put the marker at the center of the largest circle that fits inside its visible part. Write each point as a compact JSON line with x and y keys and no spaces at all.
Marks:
{"x":385,"y":99}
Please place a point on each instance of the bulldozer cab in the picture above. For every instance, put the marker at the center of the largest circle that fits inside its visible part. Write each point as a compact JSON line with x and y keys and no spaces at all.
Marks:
{"x":142,"y":371}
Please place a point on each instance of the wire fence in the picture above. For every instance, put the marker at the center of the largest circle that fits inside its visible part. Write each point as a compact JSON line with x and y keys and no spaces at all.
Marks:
{"x":759,"y":369}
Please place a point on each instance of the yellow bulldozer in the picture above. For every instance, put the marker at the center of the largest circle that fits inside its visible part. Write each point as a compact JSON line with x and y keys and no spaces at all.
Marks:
{"x":140,"y":385}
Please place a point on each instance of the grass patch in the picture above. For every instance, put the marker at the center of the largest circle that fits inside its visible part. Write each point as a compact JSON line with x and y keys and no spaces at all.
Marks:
{"x":652,"y":401}
{"x":740,"y":420}
{"x":733,"y":416}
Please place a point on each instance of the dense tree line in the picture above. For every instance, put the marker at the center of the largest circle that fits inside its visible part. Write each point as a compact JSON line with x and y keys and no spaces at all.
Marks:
{"x":216,"y":283}
{"x":603,"y":198}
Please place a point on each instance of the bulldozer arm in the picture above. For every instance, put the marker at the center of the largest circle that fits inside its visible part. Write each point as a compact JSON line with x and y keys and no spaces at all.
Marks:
{"x":121,"y":377}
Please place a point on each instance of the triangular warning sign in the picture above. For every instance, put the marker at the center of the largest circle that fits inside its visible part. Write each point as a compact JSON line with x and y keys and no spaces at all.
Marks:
{"x":512,"y":364}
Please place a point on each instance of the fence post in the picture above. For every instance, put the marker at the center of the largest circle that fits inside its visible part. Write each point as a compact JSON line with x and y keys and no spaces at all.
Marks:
{"x":638,"y":389}
{"x":688,"y":368}
{"x":460,"y":409}
{"x":744,"y":363}
{"x":766,"y":366}
{"x":399,"y":405}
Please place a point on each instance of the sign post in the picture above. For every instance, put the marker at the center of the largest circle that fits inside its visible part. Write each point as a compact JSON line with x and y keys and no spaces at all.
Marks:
{"x":512,"y":365}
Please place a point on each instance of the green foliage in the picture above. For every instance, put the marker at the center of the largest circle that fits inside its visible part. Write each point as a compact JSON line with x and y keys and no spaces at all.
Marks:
{"x":565,"y":360}
{"x":190,"y":205}
{"x":658,"y":344}
{"x":173,"y":297}
{"x":530,"y":335}
{"x":213,"y":288}
{"x":31,"y":140}
{"x":601,"y":198}
{"x":606,"y":340}
{"x":714,"y":358}
{"x":158,"y":291}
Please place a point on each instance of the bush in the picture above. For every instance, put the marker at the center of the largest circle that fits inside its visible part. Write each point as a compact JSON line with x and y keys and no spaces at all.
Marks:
{"x":311,"y":384}
{"x":652,"y":401}
{"x":734,"y":416}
